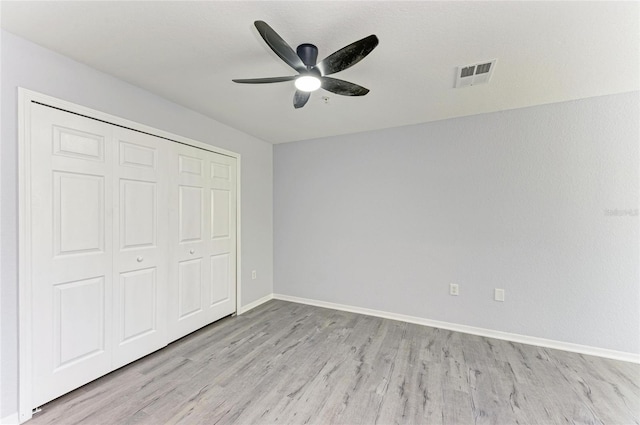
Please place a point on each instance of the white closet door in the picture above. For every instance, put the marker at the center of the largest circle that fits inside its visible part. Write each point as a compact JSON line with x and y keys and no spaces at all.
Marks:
{"x":71,"y":196}
{"x":140,"y":243}
{"x":189,"y":225}
{"x":202,"y":281}
{"x":132,"y":241}
{"x":221,"y":172}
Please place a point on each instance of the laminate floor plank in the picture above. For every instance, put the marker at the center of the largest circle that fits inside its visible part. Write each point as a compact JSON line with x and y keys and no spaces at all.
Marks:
{"x":589,"y":382}
{"x":326,"y":350}
{"x":287,"y":363}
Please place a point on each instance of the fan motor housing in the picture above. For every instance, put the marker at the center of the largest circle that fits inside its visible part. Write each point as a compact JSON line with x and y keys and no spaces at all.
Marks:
{"x":308,"y":53}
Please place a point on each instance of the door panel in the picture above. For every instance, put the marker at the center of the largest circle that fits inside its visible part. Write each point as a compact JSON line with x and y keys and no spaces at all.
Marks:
{"x":220,"y":278}
{"x":72,"y":279}
{"x":138,"y":291}
{"x":78,"y":144}
{"x":190,"y":288}
{"x":140,"y":238}
{"x":189,"y":165}
{"x":78,"y":312}
{"x":220,"y":213}
{"x":188,"y":193}
{"x":135,"y":155}
{"x":220,"y":171}
{"x":138,"y":214}
{"x":191,"y":213}
{"x":78,"y":213}
{"x":222,"y":243}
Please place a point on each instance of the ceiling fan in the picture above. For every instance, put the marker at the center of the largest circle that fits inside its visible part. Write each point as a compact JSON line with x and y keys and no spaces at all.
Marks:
{"x":312,"y":75}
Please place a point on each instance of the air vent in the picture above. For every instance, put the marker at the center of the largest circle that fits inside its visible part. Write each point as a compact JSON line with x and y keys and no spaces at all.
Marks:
{"x":472,"y":75}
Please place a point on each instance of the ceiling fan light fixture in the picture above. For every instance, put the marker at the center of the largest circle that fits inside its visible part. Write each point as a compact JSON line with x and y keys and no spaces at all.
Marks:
{"x":313,"y":75}
{"x":307,"y":83}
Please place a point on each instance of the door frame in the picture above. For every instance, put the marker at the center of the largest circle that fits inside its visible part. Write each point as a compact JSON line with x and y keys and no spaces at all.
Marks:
{"x":25,"y":99}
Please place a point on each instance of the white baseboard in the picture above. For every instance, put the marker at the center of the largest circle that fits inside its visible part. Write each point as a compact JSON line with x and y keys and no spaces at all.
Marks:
{"x":12,"y":419}
{"x":523,"y":339}
{"x":255,"y":304}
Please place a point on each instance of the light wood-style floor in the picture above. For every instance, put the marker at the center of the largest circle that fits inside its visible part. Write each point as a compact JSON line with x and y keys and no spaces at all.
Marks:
{"x":289,"y":363}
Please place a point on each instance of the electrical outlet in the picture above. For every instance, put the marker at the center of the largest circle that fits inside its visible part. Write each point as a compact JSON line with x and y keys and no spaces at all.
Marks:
{"x":498,"y":295}
{"x":254,"y":274}
{"x":453,"y":289}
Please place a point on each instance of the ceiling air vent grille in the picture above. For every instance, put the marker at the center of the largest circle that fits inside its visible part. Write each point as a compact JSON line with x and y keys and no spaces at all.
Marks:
{"x":472,"y":75}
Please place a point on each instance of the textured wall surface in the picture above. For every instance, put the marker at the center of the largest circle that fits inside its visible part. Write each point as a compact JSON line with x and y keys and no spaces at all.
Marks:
{"x":27,"y":65}
{"x":539,"y":201}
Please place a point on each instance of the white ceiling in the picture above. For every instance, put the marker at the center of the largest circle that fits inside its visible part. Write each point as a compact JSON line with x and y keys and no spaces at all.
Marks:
{"x":189,"y":51}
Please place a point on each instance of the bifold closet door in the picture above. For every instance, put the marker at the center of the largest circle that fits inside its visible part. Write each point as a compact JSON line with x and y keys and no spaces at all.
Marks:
{"x":203,"y":224}
{"x":132,"y":241}
{"x":71,"y":240}
{"x":140,"y":245}
{"x":99,"y":249}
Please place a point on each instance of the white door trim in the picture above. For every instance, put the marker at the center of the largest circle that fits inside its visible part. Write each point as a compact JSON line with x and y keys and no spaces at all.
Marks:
{"x":25,"y":98}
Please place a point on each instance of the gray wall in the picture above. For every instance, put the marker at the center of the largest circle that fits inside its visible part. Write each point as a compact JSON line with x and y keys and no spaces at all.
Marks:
{"x":515,"y":200}
{"x":30,"y":66}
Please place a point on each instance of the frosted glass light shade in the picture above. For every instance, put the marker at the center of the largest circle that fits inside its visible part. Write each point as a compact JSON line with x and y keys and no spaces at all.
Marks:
{"x":307,"y":83}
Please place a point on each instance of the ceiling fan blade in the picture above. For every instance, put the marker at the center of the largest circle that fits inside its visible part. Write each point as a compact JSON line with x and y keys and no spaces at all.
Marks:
{"x":300,"y":98}
{"x":279,"y":46}
{"x":264,"y":80}
{"x":348,"y":56}
{"x":342,"y":87}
